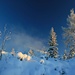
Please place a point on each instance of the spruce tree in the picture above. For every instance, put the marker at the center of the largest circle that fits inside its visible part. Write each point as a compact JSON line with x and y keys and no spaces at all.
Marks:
{"x":69,"y":34}
{"x":53,"y":50}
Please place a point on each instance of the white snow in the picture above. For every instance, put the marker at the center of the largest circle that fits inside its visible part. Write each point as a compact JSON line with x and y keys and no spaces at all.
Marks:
{"x":11,"y":65}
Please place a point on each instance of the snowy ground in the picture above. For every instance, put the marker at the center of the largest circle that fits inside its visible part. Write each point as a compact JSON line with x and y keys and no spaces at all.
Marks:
{"x":11,"y":65}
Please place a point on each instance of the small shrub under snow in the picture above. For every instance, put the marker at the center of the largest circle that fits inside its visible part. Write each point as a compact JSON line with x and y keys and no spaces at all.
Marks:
{"x":3,"y":52}
{"x":42,"y":61}
{"x":22,"y":56}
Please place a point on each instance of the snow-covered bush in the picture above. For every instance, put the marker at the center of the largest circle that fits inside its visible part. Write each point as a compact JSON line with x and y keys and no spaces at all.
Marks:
{"x":28,"y":58}
{"x":42,"y":61}
{"x":31,"y":53}
{"x":3,"y":52}
{"x":13,"y":52}
{"x":65,"y":56}
{"x":22,"y":56}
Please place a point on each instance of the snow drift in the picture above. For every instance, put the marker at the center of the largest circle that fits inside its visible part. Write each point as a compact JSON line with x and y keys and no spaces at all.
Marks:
{"x":11,"y":65}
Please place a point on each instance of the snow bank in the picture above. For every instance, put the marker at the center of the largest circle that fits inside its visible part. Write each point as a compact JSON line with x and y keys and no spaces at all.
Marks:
{"x":10,"y":65}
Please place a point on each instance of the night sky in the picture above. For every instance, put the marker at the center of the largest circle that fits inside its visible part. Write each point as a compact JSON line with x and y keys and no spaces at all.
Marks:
{"x":36,"y":17}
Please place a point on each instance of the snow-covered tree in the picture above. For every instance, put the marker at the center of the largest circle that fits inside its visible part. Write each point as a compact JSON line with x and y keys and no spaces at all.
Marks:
{"x":69,"y":33}
{"x":71,"y":53}
{"x":53,"y":50}
{"x":5,"y":35}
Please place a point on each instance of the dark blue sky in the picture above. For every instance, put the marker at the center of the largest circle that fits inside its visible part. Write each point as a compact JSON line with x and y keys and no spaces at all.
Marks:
{"x":36,"y":17}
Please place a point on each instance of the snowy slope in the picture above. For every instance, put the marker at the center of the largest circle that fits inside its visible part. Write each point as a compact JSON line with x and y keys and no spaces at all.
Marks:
{"x":11,"y":65}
